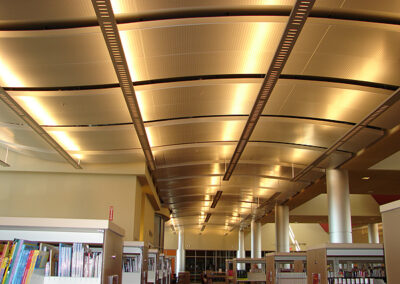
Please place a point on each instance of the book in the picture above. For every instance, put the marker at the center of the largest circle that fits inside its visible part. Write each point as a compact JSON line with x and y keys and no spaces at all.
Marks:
{"x":30,"y":266}
{"x":7,"y":268}
{"x":21,"y":258}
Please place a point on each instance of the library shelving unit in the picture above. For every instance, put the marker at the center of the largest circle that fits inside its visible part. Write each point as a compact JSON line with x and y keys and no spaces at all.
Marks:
{"x":257,"y":272}
{"x":134,"y":260}
{"x":391,"y":235}
{"x":160,"y":268}
{"x":346,"y":263}
{"x":152,"y":261}
{"x":102,"y":234}
{"x":286,"y":268}
{"x":168,"y":269}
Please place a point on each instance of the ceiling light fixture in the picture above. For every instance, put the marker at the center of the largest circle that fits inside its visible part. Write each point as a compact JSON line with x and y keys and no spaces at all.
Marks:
{"x":295,"y":24}
{"x":365,"y":178}
{"x":109,"y":28}
{"x":207,"y":217}
{"x":216,"y":198}
{"x":11,"y":103}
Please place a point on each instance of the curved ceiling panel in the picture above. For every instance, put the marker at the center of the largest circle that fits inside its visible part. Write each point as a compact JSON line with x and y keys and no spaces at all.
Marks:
{"x":218,"y":97}
{"x":19,"y":12}
{"x":55,"y":58}
{"x":347,"y":49}
{"x":77,"y":107}
{"x":190,"y":47}
{"x":98,"y":138}
{"x":196,"y":132}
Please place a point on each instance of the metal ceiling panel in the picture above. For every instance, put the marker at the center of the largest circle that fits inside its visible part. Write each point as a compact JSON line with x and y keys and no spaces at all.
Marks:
{"x":196,"y":153}
{"x":100,"y":138}
{"x":7,"y":116}
{"x":188,"y":47}
{"x":55,"y":58}
{"x":310,"y":132}
{"x":299,"y":98}
{"x":349,"y":49}
{"x":272,"y":171}
{"x":78,"y":107}
{"x":21,"y":136}
{"x":324,"y":100}
{"x":194,"y":131}
{"x":112,"y":157}
{"x":278,"y":154}
{"x":19,"y":12}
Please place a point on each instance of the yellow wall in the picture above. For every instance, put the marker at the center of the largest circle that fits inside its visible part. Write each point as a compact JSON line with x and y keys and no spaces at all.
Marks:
{"x":210,"y":239}
{"x":65,"y":195}
{"x":147,"y":219}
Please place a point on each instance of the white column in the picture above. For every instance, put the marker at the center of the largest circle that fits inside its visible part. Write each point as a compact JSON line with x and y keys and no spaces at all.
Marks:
{"x":255,"y":239}
{"x":180,"y":253}
{"x":241,"y":251}
{"x":373,"y":233}
{"x":282,"y":228}
{"x":337,"y":182}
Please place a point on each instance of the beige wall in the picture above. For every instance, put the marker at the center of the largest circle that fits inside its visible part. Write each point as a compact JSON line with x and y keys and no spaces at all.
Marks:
{"x":147,"y":220}
{"x":66,"y":195}
{"x":361,"y":205}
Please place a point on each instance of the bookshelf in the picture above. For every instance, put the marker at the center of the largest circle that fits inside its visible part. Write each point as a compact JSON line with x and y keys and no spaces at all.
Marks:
{"x":286,"y":268}
{"x":346,"y":263}
{"x":152,"y":271}
{"x":103,"y":235}
{"x":161,"y":268}
{"x":134,"y":260}
{"x":256,"y":273}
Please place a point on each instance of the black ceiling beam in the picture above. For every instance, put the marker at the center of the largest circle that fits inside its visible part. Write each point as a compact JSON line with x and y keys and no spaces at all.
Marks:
{"x":108,"y":25}
{"x":294,"y":26}
{"x":381,"y":108}
{"x":181,"y":13}
{"x":212,"y":77}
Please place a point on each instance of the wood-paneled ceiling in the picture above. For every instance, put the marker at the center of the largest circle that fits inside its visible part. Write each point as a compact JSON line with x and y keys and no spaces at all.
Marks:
{"x":197,"y":68}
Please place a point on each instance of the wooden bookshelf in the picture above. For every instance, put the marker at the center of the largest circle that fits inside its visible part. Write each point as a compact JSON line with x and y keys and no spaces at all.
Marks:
{"x":286,"y":267}
{"x":101,"y":233}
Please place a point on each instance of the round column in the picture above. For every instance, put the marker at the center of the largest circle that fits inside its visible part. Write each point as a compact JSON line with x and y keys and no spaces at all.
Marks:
{"x":373,"y":234}
{"x":180,"y":253}
{"x":282,"y":228}
{"x":241,"y":251}
{"x":337,"y":182}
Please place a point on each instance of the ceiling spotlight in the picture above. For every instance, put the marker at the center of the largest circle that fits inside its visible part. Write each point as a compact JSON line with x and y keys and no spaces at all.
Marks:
{"x":365,"y":178}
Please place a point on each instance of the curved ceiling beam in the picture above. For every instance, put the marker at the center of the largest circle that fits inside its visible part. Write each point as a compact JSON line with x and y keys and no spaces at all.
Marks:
{"x":190,"y":12}
{"x":198,"y":78}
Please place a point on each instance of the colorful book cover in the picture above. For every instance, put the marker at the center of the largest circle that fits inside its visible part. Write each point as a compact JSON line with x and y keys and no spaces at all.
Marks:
{"x":27,"y":266}
{"x":21,"y":259}
{"x":11,"y":256}
{"x":29,"y":269}
{"x":4,"y":265}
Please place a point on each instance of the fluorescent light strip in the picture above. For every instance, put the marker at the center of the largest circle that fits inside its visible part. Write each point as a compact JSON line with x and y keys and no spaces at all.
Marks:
{"x":108,"y":25}
{"x":295,"y":24}
{"x":385,"y":105}
{"x":10,"y":102}
{"x":207,"y":218}
{"x":216,"y":198}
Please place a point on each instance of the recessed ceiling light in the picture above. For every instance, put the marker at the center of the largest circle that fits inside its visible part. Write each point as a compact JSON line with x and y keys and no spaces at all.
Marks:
{"x":365,"y":178}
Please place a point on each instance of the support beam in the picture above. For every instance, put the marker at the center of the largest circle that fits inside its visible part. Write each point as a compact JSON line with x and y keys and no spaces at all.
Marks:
{"x":337,"y":182}
{"x":373,"y":233}
{"x":282,"y":228}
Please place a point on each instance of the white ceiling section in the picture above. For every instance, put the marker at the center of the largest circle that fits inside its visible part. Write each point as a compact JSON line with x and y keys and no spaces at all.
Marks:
{"x":197,"y":67}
